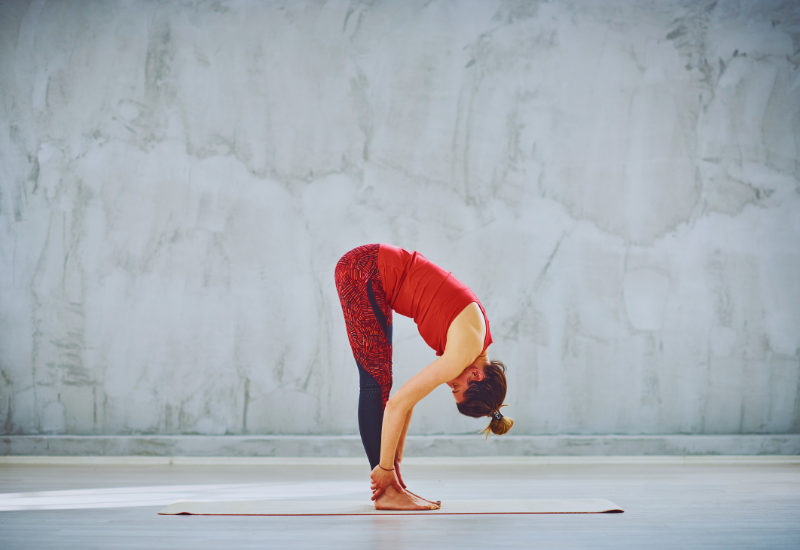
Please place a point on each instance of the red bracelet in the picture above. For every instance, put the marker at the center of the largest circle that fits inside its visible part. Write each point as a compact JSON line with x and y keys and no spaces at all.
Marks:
{"x":384,"y":469}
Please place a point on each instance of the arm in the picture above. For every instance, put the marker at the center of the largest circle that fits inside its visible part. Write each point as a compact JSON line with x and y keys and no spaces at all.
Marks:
{"x":403,"y":401}
{"x":398,"y":454}
{"x":402,"y":442}
{"x":464,"y":343}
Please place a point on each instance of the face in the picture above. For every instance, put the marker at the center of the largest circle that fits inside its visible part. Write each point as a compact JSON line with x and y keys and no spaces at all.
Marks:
{"x":460,"y":383}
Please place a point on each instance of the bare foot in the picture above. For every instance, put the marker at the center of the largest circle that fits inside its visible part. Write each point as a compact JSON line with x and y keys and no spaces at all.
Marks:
{"x":390,"y":499}
{"x":438,"y":503}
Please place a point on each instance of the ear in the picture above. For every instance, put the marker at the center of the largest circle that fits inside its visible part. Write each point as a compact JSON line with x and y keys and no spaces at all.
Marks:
{"x":477,"y":373}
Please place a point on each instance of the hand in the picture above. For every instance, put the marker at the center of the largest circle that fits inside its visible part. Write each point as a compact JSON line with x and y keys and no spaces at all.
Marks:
{"x":397,"y":462}
{"x":380,"y":479}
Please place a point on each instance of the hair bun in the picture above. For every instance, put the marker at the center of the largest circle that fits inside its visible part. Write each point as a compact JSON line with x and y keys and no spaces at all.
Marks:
{"x":499,"y":424}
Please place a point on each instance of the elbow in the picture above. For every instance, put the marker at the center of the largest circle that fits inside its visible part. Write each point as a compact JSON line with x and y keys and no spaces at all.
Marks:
{"x":394,"y":405}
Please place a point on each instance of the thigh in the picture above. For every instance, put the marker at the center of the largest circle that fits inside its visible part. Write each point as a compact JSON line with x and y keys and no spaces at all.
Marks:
{"x":366,"y":313}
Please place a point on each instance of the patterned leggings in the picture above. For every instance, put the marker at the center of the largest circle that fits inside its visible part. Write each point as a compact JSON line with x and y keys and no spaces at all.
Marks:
{"x":369,"y":327}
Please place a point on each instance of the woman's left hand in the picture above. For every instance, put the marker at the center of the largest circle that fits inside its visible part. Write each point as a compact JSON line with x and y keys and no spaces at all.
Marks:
{"x":381,"y":479}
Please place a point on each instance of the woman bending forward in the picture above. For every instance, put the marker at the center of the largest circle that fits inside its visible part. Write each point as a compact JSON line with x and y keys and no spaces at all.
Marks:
{"x":375,"y":279}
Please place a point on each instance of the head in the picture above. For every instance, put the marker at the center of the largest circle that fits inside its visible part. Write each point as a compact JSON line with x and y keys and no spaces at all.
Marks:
{"x":480,"y":391}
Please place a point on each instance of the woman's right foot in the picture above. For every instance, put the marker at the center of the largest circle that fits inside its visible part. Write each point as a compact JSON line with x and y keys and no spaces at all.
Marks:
{"x":437,"y":503}
{"x":390,"y":499}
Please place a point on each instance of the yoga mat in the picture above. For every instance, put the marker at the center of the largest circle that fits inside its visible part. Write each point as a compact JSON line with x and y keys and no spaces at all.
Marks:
{"x":354,"y":508}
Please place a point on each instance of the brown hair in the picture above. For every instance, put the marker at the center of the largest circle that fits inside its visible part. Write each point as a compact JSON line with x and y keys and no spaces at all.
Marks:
{"x":485,"y":397}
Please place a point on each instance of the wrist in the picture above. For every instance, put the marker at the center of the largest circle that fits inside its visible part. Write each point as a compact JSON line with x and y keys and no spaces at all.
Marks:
{"x":386,"y":469}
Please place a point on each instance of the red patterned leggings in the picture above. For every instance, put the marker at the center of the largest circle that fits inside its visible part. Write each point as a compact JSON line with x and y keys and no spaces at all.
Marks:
{"x":369,"y":327}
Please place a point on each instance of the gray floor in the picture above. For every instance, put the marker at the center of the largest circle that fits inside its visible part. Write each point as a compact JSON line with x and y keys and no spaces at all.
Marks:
{"x":667,"y":506}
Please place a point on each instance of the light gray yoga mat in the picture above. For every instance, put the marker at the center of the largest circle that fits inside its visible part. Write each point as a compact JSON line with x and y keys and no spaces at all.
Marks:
{"x":353,"y":508}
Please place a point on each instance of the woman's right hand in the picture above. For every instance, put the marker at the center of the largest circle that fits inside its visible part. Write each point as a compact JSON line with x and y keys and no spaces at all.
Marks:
{"x":397,"y":462}
{"x":380,"y":479}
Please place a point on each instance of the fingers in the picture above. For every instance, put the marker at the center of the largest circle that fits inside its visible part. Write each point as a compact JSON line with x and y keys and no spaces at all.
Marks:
{"x":380,"y":479}
{"x":377,"y":489}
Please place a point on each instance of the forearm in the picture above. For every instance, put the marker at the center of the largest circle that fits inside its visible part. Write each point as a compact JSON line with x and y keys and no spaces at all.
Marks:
{"x":398,"y":409}
{"x":394,"y":424}
{"x":401,"y":443}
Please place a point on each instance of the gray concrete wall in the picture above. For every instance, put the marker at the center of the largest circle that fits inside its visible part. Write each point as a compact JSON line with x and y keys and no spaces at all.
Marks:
{"x":618,"y":182}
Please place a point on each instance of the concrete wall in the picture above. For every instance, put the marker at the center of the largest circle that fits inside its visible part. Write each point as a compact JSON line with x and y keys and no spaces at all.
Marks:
{"x":618,"y":182}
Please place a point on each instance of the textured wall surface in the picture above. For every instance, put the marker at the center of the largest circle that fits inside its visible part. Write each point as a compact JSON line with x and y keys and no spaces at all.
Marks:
{"x":618,"y":182}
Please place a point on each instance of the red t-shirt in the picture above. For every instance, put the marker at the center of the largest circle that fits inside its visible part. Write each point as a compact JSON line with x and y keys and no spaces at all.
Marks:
{"x":420,"y":289}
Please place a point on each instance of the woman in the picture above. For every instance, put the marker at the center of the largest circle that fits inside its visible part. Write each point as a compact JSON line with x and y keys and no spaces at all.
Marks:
{"x":375,"y":279}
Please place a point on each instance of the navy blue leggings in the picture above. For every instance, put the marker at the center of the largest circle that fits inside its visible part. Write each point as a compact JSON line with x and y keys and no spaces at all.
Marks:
{"x":369,"y":328}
